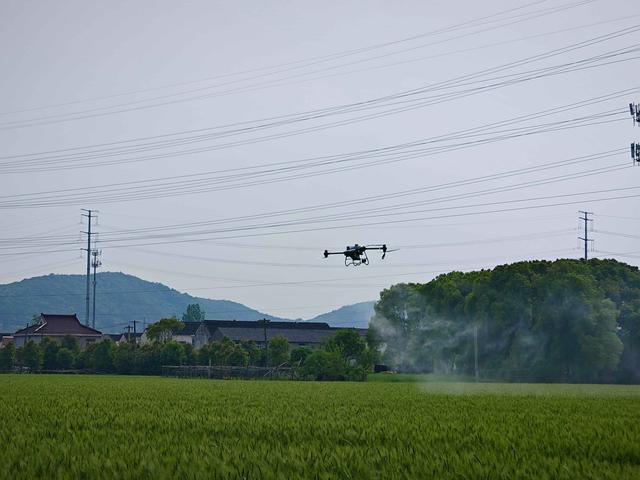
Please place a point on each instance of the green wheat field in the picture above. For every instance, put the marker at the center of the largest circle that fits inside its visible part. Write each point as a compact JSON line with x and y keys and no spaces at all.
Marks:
{"x":55,"y":426}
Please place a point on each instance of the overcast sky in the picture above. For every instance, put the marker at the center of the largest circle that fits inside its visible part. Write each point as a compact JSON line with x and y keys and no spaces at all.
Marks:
{"x":99,"y":94}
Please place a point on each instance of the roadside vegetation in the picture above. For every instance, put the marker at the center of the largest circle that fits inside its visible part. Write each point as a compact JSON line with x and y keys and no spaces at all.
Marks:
{"x":345,"y":356}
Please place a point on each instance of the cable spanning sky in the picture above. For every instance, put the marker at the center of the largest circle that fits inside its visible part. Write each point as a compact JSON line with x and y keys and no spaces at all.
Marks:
{"x":226,"y":145}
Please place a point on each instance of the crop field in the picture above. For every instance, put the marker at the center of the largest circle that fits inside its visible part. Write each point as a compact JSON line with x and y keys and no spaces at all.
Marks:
{"x":146,"y":427}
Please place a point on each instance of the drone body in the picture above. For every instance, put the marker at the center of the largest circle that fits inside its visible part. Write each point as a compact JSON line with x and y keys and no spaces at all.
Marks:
{"x":357,"y":254}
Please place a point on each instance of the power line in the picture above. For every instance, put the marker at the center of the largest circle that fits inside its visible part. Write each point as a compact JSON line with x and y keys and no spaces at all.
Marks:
{"x":148,"y":189}
{"x":294,"y":117}
{"x":321,"y":59}
{"x":329,"y":282}
{"x":149,"y":231}
{"x":388,"y":100}
{"x":238,"y":234}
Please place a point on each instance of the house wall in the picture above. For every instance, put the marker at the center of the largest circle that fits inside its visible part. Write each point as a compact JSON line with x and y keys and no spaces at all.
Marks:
{"x":186,"y":339}
{"x":201,"y":337}
{"x":83,"y":340}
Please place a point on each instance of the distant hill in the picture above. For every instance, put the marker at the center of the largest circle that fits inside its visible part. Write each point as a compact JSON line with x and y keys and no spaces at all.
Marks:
{"x":356,"y":315}
{"x":124,"y":297}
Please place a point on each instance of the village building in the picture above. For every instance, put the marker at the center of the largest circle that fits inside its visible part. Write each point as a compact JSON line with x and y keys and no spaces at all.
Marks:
{"x":5,"y":339}
{"x":124,"y":337}
{"x":299,"y":334}
{"x":56,"y":327}
{"x":185,"y":335}
{"x":114,"y":337}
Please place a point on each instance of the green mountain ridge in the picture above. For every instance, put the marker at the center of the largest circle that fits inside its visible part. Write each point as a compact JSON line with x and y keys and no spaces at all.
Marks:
{"x":121,"y":298}
{"x":356,"y":315}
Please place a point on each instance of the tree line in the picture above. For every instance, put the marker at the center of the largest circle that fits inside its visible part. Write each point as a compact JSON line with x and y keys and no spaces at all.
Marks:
{"x":560,"y":321}
{"x":344,"y":356}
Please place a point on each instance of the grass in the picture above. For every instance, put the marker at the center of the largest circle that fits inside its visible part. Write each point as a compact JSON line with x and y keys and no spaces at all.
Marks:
{"x":149,"y":427}
{"x":417,"y":378}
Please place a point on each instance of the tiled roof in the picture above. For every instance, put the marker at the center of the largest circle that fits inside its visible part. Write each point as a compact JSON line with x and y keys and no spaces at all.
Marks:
{"x":294,"y":335}
{"x":361,"y":331}
{"x":58,"y":325}
{"x":189,"y":328}
{"x":213,"y":324}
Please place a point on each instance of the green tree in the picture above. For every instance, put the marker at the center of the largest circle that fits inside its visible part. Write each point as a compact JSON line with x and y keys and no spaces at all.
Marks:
{"x":70,"y":343}
{"x":324,"y":365}
{"x":103,"y":356}
{"x":31,"y":355}
{"x":218,"y":351}
{"x":173,"y":354}
{"x":50,"y":353}
{"x":190,"y":354}
{"x":254,"y":353}
{"x":237,"y":357}
{"x":193,"y":313}
{"x":149,"y":359}
{"x":566,"y":320}
{"x":162,"y":331}
{"x":398,"y":320}
{"x":7,"y":356}
{"x":278,"y":350}
{"x":203,"y":355}
{"x":64,"y":358}
{"x":125,"y":358}
{"x":299,"y":355}
{"x":348,"y":343}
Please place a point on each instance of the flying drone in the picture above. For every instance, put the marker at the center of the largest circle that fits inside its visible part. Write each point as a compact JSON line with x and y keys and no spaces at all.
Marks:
{"x":357,"y":254}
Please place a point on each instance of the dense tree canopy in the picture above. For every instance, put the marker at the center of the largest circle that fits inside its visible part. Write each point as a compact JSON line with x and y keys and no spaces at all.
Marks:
{"x":567,"y":320}
{"x":163,"y":330}
{"x":193,"y":313}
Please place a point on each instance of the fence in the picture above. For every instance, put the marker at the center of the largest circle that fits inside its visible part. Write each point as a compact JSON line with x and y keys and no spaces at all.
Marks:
{"x":227,"y":372}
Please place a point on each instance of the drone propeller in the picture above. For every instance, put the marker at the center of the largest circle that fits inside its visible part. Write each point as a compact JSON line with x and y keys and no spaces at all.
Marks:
{"x":389,"y":251}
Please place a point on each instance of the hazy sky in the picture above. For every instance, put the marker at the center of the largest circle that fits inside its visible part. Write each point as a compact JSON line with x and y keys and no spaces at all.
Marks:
{"x":238,"y":99}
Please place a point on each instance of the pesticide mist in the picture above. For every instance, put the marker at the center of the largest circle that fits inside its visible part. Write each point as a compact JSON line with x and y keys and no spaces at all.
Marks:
{"x":537,"y":321}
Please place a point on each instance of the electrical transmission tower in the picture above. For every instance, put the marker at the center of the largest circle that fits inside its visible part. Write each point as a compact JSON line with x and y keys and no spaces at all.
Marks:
{"x":95,"y":263}
{"x":634,"y":109}
{"x":90,"y":215}
{"x":586,"y":238}
{"x":635,"y":153}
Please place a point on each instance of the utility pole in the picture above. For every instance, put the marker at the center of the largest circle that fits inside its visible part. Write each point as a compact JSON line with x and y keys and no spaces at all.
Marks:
{"x":95,"y":263}
{"x":475,"y":351}
{"x":135,"y":322}
{"x":266,"y":344}
{"x":635,"y":153}
{"x":89,"y":215}
{"x":128,"y":333}
{"x":586,"y":238}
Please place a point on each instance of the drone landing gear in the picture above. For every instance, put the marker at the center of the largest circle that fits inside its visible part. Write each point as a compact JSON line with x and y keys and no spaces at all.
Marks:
{"x":356,"y":262}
